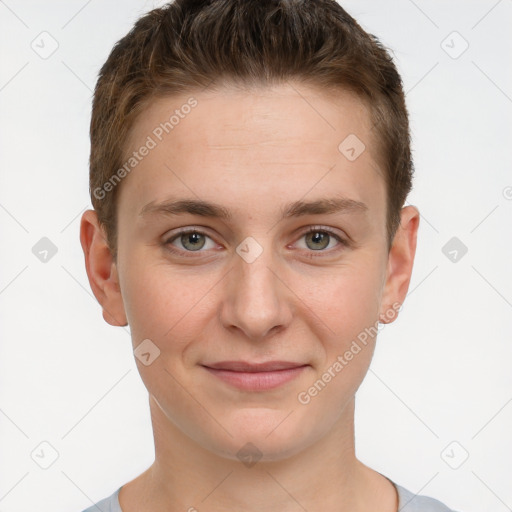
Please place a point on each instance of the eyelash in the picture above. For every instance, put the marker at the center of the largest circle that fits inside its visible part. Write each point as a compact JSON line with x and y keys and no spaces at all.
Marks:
{"x":312,"y":229}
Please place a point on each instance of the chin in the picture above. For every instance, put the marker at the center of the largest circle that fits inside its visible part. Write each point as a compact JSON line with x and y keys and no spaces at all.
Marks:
{"x":251,"y":450}
{"x":264,"y":435}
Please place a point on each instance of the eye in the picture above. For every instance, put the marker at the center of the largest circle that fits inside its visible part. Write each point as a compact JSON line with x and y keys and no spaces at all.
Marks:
{"x":189,"y":240}
{"x":318,"y":238}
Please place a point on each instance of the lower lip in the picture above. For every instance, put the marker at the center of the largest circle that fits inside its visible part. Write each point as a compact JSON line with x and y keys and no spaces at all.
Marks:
{"x":257,"y":381}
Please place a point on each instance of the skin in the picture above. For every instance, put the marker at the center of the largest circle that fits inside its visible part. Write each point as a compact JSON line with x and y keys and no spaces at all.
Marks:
{"x":253,"y":152}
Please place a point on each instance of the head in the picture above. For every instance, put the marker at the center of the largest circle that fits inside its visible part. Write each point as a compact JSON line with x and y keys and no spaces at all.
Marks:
{"x":190,"y":45}
{"x":251,"y":122}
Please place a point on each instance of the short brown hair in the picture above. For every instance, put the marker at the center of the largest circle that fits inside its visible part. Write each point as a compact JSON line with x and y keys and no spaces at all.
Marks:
{"x":189,"y":44}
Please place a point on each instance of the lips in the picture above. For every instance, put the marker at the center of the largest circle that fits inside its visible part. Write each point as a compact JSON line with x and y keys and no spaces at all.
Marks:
{"x":255,"y":376}
{"x":242,"y":366}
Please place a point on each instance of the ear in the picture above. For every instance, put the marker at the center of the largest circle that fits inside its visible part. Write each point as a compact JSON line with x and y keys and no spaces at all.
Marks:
{"x":400,"y":263}
{"x":101,"y":269}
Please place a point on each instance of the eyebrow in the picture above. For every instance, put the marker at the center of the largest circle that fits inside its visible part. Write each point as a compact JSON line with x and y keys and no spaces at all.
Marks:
{"x":202,"y":208}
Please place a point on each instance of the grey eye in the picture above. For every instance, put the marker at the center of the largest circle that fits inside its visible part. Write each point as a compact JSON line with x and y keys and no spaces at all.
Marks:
{"x":193,"y":241}
{"x":320,"y":240}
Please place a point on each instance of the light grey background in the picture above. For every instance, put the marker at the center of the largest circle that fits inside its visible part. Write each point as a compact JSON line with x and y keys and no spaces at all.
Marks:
{"x":439,"y":387}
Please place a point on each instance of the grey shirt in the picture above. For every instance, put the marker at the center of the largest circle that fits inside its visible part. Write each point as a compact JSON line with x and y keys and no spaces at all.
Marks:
{"x":407,"y":502}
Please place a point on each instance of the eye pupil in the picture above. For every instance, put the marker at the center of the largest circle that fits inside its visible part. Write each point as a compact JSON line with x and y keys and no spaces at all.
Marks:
{"x":193,"y":239}
{"x":316,"y":240}
{"x":318,"y":237}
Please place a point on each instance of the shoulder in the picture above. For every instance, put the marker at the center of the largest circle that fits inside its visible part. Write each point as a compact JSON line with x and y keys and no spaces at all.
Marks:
{"x":410,"y":502}
{"x":407,"y":502}
{"x":110,"y":504}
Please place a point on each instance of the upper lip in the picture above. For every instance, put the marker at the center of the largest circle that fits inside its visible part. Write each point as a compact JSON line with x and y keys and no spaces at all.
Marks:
{"x":243,"y":366}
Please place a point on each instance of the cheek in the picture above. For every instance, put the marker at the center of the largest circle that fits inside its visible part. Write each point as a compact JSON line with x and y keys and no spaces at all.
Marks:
{"x":167,"y":308}
{"x":164,"y":304}
{"x":351,"y":313}
{"x":348,"y":300}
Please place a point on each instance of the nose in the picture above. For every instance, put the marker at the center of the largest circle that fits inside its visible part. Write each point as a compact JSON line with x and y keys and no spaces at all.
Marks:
{"x":256,"y":298}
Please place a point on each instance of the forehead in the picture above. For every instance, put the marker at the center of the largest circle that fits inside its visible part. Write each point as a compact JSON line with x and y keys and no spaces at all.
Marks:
{"x":286,"y":139}
{"x":288,"y":111}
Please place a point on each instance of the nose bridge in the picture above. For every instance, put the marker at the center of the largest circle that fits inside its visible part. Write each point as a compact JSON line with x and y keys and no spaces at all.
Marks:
{"x":257,"y":301}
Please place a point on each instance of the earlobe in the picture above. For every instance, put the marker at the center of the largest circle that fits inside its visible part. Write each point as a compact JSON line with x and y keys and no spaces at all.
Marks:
{"x":101,"y":269}
{"x":400,"y":264}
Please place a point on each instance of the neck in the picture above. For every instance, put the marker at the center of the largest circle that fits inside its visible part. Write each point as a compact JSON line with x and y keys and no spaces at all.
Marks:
{"x":323,"y":476}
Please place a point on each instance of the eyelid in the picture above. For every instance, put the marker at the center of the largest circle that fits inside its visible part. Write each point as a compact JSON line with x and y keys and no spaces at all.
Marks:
{"x":343,"y":241}
{"x":202,"y":230}
{"x":168,"y":239}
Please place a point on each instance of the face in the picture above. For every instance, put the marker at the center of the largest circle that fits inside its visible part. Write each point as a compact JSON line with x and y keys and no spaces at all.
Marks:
{"x":249,"y":234}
